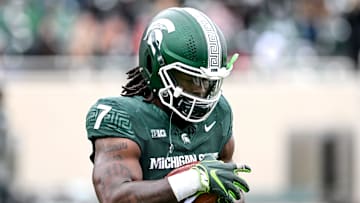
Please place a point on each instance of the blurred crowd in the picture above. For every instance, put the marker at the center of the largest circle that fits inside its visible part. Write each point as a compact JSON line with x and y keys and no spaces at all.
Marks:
{"x":267,"y":30}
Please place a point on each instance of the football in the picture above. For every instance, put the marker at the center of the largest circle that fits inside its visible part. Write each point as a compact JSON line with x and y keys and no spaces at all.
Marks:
{"x":206,"y":198}
{"x":182,"y":168}
{"x":202,"y":198}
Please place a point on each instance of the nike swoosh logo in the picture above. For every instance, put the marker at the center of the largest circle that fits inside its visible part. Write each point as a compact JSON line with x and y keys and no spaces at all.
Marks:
{"x":217,"y":180}
{"x":208,"y":128}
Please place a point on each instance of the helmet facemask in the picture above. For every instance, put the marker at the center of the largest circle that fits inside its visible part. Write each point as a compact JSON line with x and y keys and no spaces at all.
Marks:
{"x":189,"y":91}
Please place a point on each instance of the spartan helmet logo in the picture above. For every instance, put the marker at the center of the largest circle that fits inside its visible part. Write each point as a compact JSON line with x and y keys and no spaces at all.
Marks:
{"x":185,"y":138}
{"x":153,"y":33}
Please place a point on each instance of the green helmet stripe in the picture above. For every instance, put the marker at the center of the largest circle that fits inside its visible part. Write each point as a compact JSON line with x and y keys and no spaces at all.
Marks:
{"x":211,"y":36}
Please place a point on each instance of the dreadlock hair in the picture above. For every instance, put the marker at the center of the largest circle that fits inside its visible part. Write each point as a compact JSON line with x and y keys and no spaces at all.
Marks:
{"x":137,"y":85}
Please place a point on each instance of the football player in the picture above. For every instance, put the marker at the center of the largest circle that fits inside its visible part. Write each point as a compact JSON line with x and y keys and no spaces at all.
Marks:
{"x":171,"y":113}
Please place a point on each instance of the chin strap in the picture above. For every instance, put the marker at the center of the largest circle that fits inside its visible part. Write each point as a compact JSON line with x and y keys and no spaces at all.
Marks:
{"x":171,"y":146}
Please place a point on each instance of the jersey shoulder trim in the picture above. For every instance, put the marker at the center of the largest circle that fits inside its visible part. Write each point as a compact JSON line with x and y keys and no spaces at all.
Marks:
{"x":111,"y":117}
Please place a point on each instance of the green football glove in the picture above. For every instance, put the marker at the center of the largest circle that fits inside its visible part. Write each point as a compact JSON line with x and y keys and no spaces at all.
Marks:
{"x":221,"y":178}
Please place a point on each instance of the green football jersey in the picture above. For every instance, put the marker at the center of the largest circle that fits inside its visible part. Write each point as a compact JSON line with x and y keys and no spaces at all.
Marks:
{"x":150,"y":127}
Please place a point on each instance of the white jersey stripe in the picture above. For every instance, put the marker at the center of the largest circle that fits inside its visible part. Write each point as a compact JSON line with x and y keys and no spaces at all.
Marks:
{"x":212,"y":38}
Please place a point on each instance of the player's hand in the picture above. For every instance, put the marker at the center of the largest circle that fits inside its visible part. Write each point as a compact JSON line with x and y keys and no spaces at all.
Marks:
{"x":222,"y":178}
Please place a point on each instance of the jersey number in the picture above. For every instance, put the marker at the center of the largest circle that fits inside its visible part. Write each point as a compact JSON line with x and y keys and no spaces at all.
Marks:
{"x":105,"y":109}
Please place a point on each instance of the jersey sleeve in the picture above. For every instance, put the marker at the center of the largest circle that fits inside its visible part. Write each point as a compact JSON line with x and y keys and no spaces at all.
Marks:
{"x":110,"y":118}
{"x":227,"y":119}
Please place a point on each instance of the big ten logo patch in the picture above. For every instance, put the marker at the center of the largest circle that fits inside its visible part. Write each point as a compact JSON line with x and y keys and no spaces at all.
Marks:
{"x":158,"y":133}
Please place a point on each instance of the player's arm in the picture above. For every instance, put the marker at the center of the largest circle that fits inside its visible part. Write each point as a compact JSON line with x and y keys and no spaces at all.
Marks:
{"x":227,"y":152}
{"x":117,"y":175}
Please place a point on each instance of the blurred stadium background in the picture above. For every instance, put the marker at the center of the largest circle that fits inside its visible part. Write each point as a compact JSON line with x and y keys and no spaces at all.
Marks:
{"x":295,"y":92}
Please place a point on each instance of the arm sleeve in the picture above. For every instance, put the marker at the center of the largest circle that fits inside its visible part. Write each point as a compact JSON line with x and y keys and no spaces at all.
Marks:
{"x":227,"y":120}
